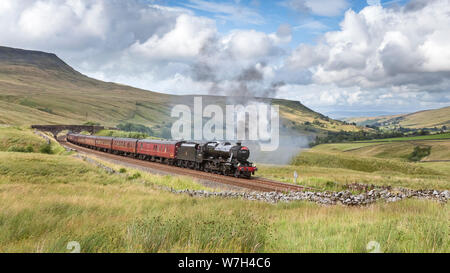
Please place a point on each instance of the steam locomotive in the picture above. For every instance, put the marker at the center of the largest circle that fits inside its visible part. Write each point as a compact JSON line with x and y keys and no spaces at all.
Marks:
{"x":214,"y":157}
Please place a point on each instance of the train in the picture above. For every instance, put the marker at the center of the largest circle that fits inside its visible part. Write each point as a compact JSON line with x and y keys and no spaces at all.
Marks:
{"x":213,"y":157}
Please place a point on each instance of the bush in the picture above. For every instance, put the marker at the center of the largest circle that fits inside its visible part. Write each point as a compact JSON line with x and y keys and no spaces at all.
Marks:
{"x":45,"y":148}
{"x":134,"y":176}
{"x":29,"y":149}
{"x":114,"y":133}
{"x":20,"y":149}
{"x":131,"y":127}
{"x":122,"y":170}
{"x":419,"y":153}
{"x":16,"y":149}
{"x":91,"y":123}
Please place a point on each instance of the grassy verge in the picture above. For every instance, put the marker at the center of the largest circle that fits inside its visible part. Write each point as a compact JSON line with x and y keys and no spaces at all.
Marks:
{"x":21,"y":139}
{"x":171,"y":181}
{"x":48,"y":201}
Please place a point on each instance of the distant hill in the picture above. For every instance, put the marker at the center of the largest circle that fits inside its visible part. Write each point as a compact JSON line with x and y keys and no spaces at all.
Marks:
{"x":348,"y":114}
{"x":39,"y":88}
{"x":422,"y":119}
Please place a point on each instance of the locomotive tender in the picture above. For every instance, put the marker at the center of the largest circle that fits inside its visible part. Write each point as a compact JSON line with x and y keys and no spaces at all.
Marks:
{"x":215,"y":157}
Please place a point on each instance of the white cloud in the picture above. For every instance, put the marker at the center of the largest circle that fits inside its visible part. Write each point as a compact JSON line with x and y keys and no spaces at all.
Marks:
{"x":184,"y":41}
{"x":283,"y":34}
{"x":76,"y":25}
{"x":380,"y":47}
{"x":248,"y":44}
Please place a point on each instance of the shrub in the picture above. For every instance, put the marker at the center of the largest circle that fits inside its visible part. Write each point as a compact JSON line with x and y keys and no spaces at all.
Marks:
{"x":91,"y":123}
{"x":134,"y":176}
{"x":131,"y":127}
{"x":122,"y":170}
{"x":16,"y":149}
{"x":419,"y":153}
{"x":20,"y":149}
{"x":115,"y":133}
{"x":29,"y":149}
{"x":45,"y":148}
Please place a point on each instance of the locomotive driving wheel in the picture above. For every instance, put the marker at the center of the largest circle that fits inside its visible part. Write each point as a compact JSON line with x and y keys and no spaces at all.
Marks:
{"x":224,"y":170}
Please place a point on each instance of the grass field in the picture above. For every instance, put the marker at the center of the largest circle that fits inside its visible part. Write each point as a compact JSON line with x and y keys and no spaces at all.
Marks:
{"x":50,"y":200}
{"x":427,"y":137}
{"x":422,"y":119}
{"x":331,"y":166}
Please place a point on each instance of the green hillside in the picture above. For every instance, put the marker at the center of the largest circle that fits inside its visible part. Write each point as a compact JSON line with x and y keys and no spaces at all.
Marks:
{"x":333,"y":166}
{"x":39,"y":88}
{"x":422,"y":119}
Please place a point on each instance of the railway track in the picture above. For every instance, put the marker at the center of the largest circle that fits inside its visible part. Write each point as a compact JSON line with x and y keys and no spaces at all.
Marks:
{"x":255,"y":183}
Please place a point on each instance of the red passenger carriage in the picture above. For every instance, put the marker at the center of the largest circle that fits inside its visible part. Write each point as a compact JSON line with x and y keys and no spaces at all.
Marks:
{"x":124,"y":145}
{"x":89,"y":141}
{"x":157,"y":149}
{"x":104,"y":143}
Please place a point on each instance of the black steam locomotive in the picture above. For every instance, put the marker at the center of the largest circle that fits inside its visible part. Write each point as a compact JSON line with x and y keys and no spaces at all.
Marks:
{"x":216,"y":157}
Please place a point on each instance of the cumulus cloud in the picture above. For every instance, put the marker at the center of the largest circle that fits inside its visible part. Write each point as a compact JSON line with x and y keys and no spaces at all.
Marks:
{"x":381,"y":47}
{"x":184,"y":41}
{"x":248,"y":44}
{"x":82,"y":25}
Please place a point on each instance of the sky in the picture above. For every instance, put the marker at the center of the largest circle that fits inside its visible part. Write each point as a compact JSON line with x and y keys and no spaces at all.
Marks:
{"x":338,"y":57}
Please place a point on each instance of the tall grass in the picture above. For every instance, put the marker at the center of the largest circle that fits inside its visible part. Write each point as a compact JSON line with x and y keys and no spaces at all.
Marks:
{"x":199,"y":232}
{"x":364,"y":164}
{"x":48,"y":201}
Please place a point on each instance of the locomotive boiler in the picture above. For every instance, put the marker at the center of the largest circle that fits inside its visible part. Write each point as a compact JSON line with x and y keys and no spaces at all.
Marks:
{"x":228,"y":159}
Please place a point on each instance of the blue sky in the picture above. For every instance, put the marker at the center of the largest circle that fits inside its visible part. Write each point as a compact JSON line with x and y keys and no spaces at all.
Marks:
{"x":358,"y":57}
